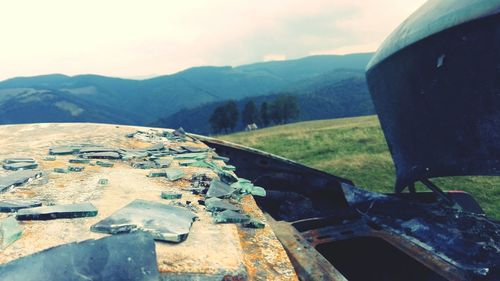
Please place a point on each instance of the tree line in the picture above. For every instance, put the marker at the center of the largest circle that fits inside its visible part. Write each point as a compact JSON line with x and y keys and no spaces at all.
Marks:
{"x":281,"y":110}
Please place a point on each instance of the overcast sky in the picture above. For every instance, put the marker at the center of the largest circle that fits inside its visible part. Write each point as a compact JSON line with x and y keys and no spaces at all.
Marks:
{"x":126,"y":38}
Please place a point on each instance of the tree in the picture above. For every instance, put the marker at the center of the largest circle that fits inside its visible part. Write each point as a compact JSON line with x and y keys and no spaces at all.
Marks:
{"x":250,"y":113}
{"x":232,"y":114}
{"x":284,"y":108}
{"x":224,"y":117}
{"x":264,"y":114}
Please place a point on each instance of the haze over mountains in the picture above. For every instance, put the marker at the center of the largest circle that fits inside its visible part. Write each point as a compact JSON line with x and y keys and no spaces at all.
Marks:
{"x":327,"y":86}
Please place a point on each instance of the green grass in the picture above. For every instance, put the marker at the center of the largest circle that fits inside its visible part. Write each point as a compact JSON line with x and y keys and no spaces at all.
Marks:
{"x":355,"y":148}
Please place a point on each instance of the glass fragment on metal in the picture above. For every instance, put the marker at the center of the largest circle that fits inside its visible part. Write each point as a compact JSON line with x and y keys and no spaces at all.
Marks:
{"x":229,"y":216}
{"x":253,"y":223}
{"x":164,"y":222}
{"x":219,"y":189}
{"x":10,"y":231}
{"x":170,"y":195}
{"x":57,"y":212}
{"x":174,"y":174}
{"x":103,"y":182}
{"x":79,"y":161}
{"x":113,"y":258}
{"x":13,"y":205}
{"x":75,"y":168}
{"x":17,"y":178}
{"x":215,"y":204}
{"x":104,"y":164}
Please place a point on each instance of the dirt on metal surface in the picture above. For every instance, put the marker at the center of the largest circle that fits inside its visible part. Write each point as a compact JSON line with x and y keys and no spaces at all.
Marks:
{"x":211,"y":250}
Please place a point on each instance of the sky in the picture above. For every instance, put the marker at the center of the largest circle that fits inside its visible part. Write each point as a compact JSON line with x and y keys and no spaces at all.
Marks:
{"x":144,"y":38}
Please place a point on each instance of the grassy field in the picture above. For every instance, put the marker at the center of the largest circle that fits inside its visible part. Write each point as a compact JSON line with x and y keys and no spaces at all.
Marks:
{"x":355,"y":148}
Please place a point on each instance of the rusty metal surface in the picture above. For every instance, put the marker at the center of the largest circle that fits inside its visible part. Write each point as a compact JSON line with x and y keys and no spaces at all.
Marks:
{"x":210,"y":252}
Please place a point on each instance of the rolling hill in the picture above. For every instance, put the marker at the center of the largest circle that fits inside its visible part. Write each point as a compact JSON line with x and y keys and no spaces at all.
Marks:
{"x":335,"y":94}
{"x":116,"y":100}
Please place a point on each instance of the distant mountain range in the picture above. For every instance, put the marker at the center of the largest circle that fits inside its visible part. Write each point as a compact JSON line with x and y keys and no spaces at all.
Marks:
{"x":93,"y":98}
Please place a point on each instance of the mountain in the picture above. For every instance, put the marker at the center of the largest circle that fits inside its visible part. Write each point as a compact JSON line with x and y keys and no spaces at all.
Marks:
{"x":116,"y":100}
{"x":335,"y":94}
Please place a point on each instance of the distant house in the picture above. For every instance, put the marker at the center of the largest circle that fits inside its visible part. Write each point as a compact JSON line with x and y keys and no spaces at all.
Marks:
{"x":251,"y":127}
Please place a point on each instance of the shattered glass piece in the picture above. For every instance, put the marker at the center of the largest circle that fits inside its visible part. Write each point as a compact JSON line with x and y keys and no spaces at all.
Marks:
{"x":75,"y":168}
{"x":253,"y":223}
{"x":219,"y":189}
{"x":10,"y":231}
{"x":177,"y":150}
{"x":245,"y":186}
{"x":144,"y":165}
{"x":157,"y":174}
{"x":155,"y":147}
{"x":195,"y":156}
{"x":49,"y":158}
{"x":194,"y":149}
{"x":18,"y":178}
{"x":64,"y":150}
{"x":130,"y":135}
{"x":215,"y":204}
{"x":174,"y":174}
{"x":58,"y":212}
{"x":19,"y":160}
{"x":217,"y":157}
{"x":13,"y":205}
{"x":96,"y":149}
{"x":103,"y":181}
{"x":113,"y":258}
{"x":170,"y":195}
{"x":162,"y":163}
{"x":101,"y":155}
{"x":180,"y":132}
{"x":79,"y":161}
{"x":229,"y":216}
{"x":60,"y":170}
{"x":258,"y":191}
{"x":104,"y":164}
{"x":20,"y":166}
{"x":229,"y":167}
{"x":164,"y":222}
{"x":225,"y":176}
{"x":187,"y":162}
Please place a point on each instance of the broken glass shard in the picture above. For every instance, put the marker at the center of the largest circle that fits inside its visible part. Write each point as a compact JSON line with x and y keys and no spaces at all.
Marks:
{"x":253,"y":223}
{"x":174,"y":174}
{"x":170,"y":195}
{"x":13,"y":205}
{"x":219,"y":189}
{"x":92,"y":149}
{"x":49,"y":158}
{"x":64,"y":150}
{"x":75,"y":168}
{"x":162,"y":163}
{"x":104,"y":164}
{"x":60,"y":170}
{"x":144,"y":165}
{"x":155,"y":147}
{"x":103,"y":181}
{"x":20,"y":166}
{"x":164,"y":222}
{"x":18,"y":178}
{"x":19,"y":160}
{"x":195,"y":149}
{"x":229,"y":216}
{"x":195,"y":156}
{"x":57,"y":212}
{"x":157,"y":174}
{"x":229,"y":167}
{"x":10,"y":231}
{"x":180,"y":132}
{"x":177,"y":150}
{"x":215,"y":204}
{"x":101,"y":155}
{"x":245,"y":186}
{"x":114,"y":258}
{"x":79,"y":161}
{"x":217,"y":157}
